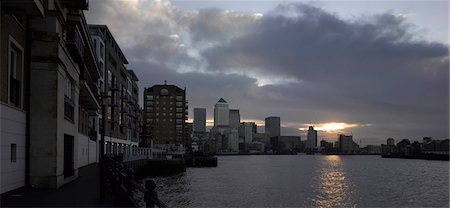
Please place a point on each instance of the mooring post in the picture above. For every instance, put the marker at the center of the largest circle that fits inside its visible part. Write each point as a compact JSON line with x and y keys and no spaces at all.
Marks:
{"x":150,"y":194}
{"x":130,"y":178}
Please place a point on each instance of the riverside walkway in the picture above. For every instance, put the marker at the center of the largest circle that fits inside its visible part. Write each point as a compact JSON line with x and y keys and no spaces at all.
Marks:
{"x":82,"y":192}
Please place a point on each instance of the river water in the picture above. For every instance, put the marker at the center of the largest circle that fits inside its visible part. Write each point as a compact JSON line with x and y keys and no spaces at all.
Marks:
{"x":309,"y":181}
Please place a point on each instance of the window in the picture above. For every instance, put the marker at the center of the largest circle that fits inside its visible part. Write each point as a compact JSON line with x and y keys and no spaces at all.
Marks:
{"x":102,"y":50}
{"x":15,"y":71}
{"x":130,"y":87}
{"x":68,"y":98}
{"x":13,"y":153}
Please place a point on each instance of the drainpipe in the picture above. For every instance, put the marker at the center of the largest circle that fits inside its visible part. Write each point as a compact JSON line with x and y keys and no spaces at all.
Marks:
{"x":27,"y":54}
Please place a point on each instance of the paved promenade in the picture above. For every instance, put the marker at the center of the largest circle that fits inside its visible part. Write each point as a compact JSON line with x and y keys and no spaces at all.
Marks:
{"x":82,"y":192}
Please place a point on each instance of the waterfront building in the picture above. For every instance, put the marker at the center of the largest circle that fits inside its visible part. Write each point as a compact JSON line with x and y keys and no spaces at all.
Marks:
{"x":221,"y":114}
{"x":199,"y":120}
{"x":226,"y":139}
{"x":246,"y":131}
{"x":235,"y":118}
{"x":289,"y":143}
{"x":245,"y":135}
{"x":118,"y":86}
{"x":326,"y":147}
{"x":371,"y":149}
{"x":311,"y":138}
{"x":165,"y":115}
{"x":49,"y":93}
{"x":403,"y":146}
{"x":390,"y":142}
{"x":262,"y":137}
{"x":346,"y":144}
{"x":272,"y":126}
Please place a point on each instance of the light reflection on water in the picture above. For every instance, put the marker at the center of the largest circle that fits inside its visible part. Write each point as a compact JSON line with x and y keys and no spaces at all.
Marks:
{"x":332,"y":185}
{"x":309,"y":181}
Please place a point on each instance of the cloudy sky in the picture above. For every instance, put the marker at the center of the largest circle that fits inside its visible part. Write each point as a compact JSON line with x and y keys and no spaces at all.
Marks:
{"x":372,"y":69}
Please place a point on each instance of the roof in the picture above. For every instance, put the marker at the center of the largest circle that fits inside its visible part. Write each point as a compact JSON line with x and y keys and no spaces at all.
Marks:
{"x":222,"y":101}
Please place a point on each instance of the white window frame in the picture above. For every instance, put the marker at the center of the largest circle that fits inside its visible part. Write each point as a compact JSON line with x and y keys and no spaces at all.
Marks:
{"x":11,"y":40}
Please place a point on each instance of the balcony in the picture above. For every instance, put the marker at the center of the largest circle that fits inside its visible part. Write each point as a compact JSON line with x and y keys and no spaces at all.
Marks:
{"x":88,"y":91}
{"x":74,"y":43}
{"x":76,"y":4}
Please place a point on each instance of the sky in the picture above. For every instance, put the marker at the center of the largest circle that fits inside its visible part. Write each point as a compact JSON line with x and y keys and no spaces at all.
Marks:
{"x":371,"y":69}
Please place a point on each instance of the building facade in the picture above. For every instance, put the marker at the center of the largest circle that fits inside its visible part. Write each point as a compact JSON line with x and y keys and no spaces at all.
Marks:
{"x":272,"y":126}
{"x":49,"y":93}
{"x":199,"y":120}
{"x":165,"y":114}
{"x":235,"y":118}
{"x":120,"y":94}
{"x":311,"y":138}
{"x":346,"y":144}
{"x":221,"y":113}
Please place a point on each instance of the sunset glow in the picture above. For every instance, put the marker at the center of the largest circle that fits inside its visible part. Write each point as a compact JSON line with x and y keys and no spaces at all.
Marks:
{"x":332,"y":126}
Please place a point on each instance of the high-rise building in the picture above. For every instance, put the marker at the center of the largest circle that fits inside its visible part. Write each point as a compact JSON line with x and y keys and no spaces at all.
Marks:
{"x":199,"y":120}
{"x":221,"y":113}
{"x":311,"y":138}
{"x":347,"y":145}
{"x":235,"y":118}
{"x":272,"y":126}
{"x":165,"y":115}
{"x":246,"y":132}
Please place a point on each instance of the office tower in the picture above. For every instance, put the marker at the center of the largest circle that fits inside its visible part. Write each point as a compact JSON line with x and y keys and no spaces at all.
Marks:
{"x":272,"y":126}
{"x":221,"y":113}
{"x":235,"y":118}
{"x":165,"y":114}
{"x":347,"y":145}
{"x":246,"y":132}
{"x":199,"y":120}
{"x":312,"y":138}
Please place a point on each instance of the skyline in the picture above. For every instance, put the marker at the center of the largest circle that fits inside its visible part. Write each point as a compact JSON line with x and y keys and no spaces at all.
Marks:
{"x":389,"y":82}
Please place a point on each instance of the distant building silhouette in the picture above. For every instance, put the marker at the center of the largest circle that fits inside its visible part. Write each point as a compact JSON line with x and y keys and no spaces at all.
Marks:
{"x":272,"y":126}
{"x":347,"y":145}
{"x":235,"y":118}
{"x":221,"y":113}
{"x":311,"y":138}
{"x":199,"y":120}
{"x":226,"y":136}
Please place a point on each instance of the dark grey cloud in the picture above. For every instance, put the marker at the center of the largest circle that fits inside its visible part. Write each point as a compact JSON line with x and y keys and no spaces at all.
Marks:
{"x":315,"y":67}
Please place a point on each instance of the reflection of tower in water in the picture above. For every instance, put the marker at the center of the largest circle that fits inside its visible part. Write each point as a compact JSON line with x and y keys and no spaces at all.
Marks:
{"x":333,"y":185}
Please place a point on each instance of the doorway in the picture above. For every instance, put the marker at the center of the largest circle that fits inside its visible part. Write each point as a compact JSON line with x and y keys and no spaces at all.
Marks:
{"x":68,"y":155}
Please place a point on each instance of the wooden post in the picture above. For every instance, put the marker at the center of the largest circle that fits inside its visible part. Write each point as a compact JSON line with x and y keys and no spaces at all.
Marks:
{"x":150,"y":193}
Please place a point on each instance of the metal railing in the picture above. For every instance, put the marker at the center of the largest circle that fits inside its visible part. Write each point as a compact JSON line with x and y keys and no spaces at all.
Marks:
{"x":126,"y":190}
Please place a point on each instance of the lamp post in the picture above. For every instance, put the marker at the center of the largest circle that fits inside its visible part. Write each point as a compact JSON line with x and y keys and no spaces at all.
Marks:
{"x":102,"y":147}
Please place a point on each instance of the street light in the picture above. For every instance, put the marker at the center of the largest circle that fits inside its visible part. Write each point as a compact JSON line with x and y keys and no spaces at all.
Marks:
{"x":103,"y":96}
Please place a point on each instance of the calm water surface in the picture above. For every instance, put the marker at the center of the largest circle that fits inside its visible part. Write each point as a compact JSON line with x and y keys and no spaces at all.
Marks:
{"x":310,"y":181}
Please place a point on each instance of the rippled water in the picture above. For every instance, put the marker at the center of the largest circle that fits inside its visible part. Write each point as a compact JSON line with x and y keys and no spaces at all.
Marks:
{"x":310,"y":181}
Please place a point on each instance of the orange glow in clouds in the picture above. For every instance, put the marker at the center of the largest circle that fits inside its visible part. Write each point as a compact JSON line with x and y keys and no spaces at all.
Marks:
{"x":332,"y":126}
